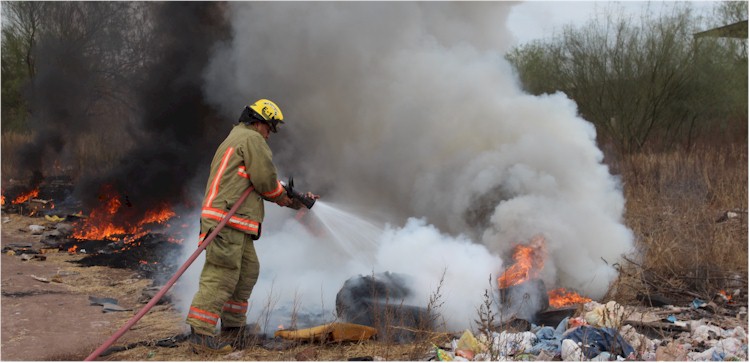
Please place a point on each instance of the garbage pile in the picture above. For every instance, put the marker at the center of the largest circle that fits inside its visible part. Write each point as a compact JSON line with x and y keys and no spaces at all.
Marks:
{"x":607,"y":332}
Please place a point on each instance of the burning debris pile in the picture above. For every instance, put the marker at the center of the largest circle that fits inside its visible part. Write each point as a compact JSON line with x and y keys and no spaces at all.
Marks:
{"x":378,"y":301}
{"x":113,"y":234}
{"x":523,"y":295}
{"x":39,"y":197}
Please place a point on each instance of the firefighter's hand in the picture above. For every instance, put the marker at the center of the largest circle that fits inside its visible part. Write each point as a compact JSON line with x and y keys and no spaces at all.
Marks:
{"x":285,"y":201}
{"x":312,"y":196}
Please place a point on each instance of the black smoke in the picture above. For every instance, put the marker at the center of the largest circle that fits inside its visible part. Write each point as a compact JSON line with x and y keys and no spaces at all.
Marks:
{"x":177,"y":131}
{"x":131,"y":74}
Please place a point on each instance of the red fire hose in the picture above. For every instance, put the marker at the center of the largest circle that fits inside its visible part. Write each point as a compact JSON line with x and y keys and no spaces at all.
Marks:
{"x":171,"y":281}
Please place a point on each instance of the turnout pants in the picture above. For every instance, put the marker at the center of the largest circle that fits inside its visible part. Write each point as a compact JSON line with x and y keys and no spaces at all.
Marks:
{"x":228,"y":276}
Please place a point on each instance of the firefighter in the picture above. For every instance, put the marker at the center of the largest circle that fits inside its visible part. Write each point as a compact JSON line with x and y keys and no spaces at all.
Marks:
{"x":231,"y":268}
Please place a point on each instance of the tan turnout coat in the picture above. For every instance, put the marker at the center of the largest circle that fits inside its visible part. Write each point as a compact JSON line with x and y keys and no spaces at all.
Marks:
{"x":242,"y":160}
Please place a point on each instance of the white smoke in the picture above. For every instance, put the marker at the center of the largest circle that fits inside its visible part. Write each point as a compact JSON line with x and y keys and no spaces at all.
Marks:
{"x":408,"y":109}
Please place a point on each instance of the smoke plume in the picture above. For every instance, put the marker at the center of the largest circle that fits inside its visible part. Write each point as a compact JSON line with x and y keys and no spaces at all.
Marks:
{"x":175,"y":130}
{"x":409,"y":112}
{"x":123,"y":81}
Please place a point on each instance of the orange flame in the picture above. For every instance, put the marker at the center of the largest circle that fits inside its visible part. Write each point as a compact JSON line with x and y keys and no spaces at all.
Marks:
{"x":528,"y":263}
{"x":104,"y":221}
{"x":26,"y":196}
{"x":2,"y":200}
{"x":73,"y":249}
{"x":726,"y":296}
{"x":559,"y":298}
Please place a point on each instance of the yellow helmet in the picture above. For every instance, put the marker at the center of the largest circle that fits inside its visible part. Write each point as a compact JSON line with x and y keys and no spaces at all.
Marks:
{"x":263,"y":110}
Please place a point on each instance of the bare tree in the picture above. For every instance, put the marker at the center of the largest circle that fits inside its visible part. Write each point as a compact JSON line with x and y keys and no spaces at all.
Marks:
{"x":640,"y":81}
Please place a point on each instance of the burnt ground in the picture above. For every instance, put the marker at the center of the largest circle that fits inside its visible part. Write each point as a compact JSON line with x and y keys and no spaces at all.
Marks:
{"x":54,"y":320}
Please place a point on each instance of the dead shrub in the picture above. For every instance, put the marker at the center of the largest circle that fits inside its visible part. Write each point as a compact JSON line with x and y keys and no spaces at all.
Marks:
{"x":675,"y":204}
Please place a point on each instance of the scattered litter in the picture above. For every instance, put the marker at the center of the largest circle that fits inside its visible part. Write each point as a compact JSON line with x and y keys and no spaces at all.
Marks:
{"x":705,"y":333}
{"x":42,"y":279}
{"x":11,"y":253}
{"x":511,"y":344}
{"x":603,"y":357}
{"x":597,"y":340}
{"x":109,"y":305}
{"x":334,"y":332}
{"x":36,"y":229}
{"x":571,"y":351}
{"x":465,"y":353}
{"x":545,"y":356}
{"x":468,"y":343}
{"x":54,"y":218}
{"x":25,"y":257}
{"x":110,"y":308}
{"x":64,"y":228}
{"x":48,"y":250}
{"x":644,"y":317}
{"x":102,"y":300}
{"x":610,"y":315}
{"x":442,"y":355}
{"x":52,"y":234}
{"x":588,"y":337}
{"x":6,"y":220}
{"x":698,"y":303}
{"x":671,"y":352}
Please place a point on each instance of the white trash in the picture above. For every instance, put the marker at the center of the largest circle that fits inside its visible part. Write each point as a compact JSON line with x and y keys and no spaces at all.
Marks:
{"x":706,"y":333}
{"x":571,"y":351}
{"x":508,"y":344}
{"x":36,"y":229}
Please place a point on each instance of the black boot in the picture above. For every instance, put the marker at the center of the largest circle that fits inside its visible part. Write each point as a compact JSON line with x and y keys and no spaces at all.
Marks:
{"x":208,"y":344}
{"x":241,"y":337}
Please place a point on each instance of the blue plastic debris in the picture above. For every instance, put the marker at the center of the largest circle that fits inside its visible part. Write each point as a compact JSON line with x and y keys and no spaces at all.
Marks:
{"x":698,"y":303}
{"x":671,"y":319}
{"x":598,"y":340}
{"x":547,"y":340}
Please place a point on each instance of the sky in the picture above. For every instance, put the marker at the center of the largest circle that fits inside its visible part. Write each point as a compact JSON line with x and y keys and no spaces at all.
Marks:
{"x":530,"y":20}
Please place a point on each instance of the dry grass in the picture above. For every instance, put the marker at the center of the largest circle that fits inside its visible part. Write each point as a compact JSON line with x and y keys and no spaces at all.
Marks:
{"x":318,"y":351}
{"x":86,"y":153}
{"x":11,"y":141}
{"x":674,"y":204}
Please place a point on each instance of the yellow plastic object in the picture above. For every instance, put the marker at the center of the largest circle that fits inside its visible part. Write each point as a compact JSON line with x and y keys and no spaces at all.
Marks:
{"x":333,"y":332}
{"x":468,"y":342}
{"x":54,"y":218}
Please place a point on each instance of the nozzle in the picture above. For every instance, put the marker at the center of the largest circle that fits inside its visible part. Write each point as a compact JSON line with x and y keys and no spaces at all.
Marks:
{"x":307,"y":202}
